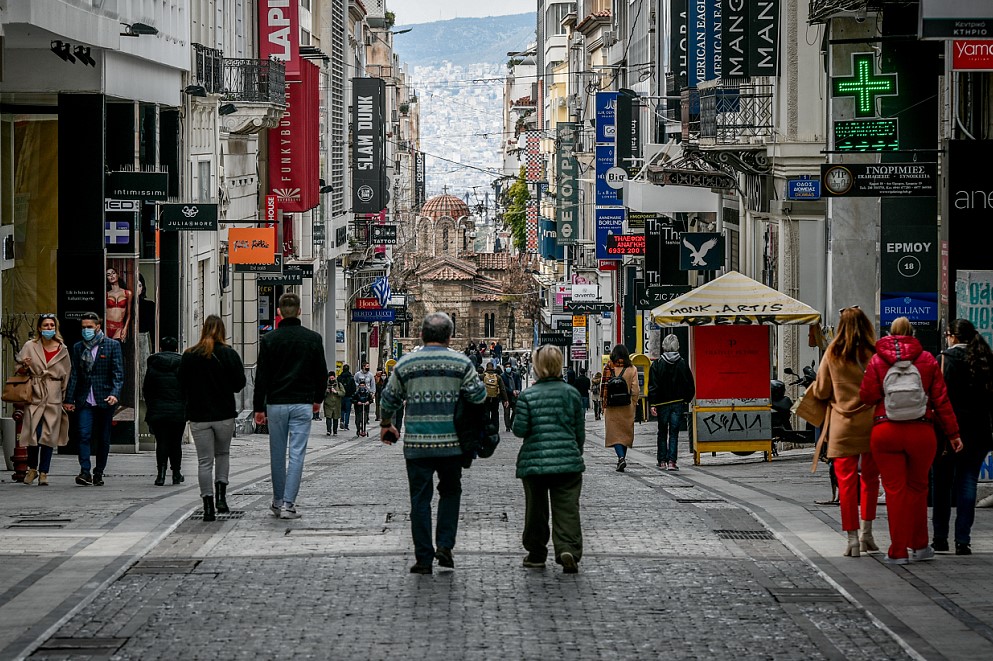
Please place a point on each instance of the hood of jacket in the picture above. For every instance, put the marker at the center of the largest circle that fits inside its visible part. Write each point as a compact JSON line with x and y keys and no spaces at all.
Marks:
{"x":165,"y":361}
{"x":898,"y":347}
{"x":671,"y":357}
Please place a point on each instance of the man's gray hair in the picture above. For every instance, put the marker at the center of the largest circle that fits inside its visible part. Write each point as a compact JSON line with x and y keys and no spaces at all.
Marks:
{"x":670,"y":343}
{"x":437,"y":327}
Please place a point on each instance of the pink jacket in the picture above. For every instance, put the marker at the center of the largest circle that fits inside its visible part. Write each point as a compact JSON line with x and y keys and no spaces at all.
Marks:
{"x":939,"y":408}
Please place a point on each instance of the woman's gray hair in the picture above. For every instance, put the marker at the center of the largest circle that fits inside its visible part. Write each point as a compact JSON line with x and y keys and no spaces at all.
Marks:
{"x":670,"y":343}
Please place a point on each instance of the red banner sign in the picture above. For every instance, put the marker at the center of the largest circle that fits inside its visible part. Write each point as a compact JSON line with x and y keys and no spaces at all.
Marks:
{"x":279,"y":33}
{"x":294,"y":156}
{"x":271,"y":209}
{"x":731,"y":362}
{"x":626,"y":244}
{"x":367,"y":304}
{"x":972,"y":55}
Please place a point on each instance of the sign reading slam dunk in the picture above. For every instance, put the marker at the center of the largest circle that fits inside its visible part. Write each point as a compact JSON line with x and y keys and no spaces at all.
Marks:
{"x":368,"y":180}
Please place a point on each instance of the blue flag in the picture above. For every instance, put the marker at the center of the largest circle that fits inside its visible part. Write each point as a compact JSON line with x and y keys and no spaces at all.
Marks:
{"x":381,"y":290}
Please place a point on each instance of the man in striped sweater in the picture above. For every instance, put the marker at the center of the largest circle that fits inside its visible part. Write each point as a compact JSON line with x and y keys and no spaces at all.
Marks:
{"x":428,"y":382}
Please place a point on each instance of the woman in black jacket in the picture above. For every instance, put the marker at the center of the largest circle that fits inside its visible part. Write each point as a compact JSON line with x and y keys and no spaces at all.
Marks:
{"x":210,"y":374}
{"x":967,"y":365}
{"x":165,"y":412}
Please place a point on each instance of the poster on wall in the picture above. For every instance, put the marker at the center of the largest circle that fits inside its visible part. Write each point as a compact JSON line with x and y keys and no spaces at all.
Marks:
{"x":120,"y":323}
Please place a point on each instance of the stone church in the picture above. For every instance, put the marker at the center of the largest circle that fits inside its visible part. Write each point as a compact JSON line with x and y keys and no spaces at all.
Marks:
{"x":440,"y":271}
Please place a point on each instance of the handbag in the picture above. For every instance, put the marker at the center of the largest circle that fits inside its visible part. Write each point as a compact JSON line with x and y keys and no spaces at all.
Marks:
{"x":812,"y":409}
{"x":18,"y":389}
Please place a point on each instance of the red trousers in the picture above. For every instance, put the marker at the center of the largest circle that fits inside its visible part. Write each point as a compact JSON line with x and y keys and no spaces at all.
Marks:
{"x":904,"y":452}
{"x":846,"y":469}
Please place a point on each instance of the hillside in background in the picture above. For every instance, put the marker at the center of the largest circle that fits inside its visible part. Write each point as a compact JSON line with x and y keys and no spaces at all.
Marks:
{"x":465,"y":40}
{"x":457,"y":68}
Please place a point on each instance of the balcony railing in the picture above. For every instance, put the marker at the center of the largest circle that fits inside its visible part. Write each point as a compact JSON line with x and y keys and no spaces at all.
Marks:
{"x":734,"y":112}
{"x":208,"y":68}
{"x":262,"y":81}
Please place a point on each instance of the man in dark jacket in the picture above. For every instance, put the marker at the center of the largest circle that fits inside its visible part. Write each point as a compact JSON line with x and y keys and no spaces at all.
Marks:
{"x":93,"y":392}
{"x":670,"y":389}
{"x":496,"y":393}
{"x":512,"y":383}
{"x":347,"y":379}
{"x":290,"y":380}
{"x":165,"y":411}
{"x":583,"y":384}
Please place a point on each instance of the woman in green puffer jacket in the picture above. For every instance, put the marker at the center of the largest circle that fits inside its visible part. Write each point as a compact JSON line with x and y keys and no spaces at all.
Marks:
{"x":550,"y":420}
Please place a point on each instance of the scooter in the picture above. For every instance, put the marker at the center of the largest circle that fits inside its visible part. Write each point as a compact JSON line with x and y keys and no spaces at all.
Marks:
{"x":782,"y":408}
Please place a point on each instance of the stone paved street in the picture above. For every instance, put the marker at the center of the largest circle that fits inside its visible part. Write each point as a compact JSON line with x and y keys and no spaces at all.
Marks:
{"x":675,"y":565}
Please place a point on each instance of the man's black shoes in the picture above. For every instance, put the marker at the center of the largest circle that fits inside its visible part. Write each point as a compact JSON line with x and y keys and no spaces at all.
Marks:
{"x":444,"y":558}
{"x":84,"y":479}
{"x":421,"y":569}
{"x":97,"y":479}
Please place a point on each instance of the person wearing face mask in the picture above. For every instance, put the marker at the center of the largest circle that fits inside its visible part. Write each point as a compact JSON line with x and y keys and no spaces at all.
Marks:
{"x":45,"y":425}
{"x":94,"y":389}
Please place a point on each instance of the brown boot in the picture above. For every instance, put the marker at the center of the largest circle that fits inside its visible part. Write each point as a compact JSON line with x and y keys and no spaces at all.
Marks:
{"x":42,"y":479}
{"x":30,"y":475}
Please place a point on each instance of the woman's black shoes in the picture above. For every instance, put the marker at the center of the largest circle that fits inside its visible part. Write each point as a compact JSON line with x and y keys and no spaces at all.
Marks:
{"x":208,"y":509}
{"x":220,"y":492}
{"x":622,"y":463}
{"x":177,"y":477}
{"x":160,"y":476}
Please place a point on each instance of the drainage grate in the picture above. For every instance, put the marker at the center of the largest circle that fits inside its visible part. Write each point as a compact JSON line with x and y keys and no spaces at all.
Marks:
{"x":464,"y":517}
{"x":336,"y":532}
{"x":40,"y":523}
{"x":67,"y":647}
{"x":795,"y":595}
{"x":700,"y":500}
{"x":233,"y":514}
{"x":165,"y":566}
{"x":745,"y":534}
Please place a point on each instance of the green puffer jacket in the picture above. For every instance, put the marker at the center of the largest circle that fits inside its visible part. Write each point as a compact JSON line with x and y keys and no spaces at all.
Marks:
{"x":550,"y":419}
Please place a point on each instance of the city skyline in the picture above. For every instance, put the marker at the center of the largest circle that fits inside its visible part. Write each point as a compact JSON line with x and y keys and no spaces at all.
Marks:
{"x":410,"y":12}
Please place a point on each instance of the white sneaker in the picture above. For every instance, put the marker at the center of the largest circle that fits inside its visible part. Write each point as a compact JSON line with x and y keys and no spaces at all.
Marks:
{"x":288,"y":511}
{"x":922,"y":555}
{"x":274,"y":508}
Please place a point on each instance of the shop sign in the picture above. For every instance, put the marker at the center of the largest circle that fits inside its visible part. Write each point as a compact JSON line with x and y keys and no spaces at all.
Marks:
{"x":972,"y":55}
{"x":605,"y":111}
{"x":949,"y":19}
{"x":647,"y":298}
{"x":292,"y":275}
{"x":626,"y":244}
{"x":271,"y":208}
{"x":252,"y":245}
{"x":867,"y":135}
{"x":373,"y":316}
{"x":567,"y":193}
{"x":188,"y":217}
{"x":583,"y":307}
{"x":138,"y":185}
{"x":579,"y":353}
{"x":367,"y":303}
{"x":701,"y":251}
{"x":585,"y":293}
{"x":880,"y":180}
{"x":555,"y":339}
{"x":275,"y":267}
{"x":279,"y":30}
{"x":294,"y":162}
{"x":384,"y":234}
{"x":608,"y":222}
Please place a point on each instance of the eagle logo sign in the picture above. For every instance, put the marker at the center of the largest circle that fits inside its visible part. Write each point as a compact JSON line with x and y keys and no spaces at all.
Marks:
{"x":698,"y":255}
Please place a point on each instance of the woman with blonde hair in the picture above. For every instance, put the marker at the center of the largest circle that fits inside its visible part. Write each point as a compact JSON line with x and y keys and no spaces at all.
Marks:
{"x":210,"y":374}
{"x":45,"y":425}
{"x":550,"y":418}
{"x":848,"y":425}
{"x":903,"y":439}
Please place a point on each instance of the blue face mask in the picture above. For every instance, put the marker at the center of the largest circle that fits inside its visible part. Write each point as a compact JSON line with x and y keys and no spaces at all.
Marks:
{"x":89,"y":334}
{"x":48,"y":334}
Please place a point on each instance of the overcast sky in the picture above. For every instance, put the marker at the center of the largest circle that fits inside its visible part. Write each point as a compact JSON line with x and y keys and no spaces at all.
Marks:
{"x":425,"y":11}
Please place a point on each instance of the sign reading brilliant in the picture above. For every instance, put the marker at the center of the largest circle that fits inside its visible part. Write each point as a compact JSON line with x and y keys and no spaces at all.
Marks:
{"x":865,"y":85}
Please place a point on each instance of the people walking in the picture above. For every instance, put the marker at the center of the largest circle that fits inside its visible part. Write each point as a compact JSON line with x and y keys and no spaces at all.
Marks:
{"x":595,"y":386}
{"x":967,"y":366}
{"x":848,"y":426}
{"x":551,"y":420}
{"x":430,"y":381}
{"x":496,"y":393}
{"x":165,"y":410}
{"x":45,"y":425}
{"x":904,"y":446}
{"x":619,"y":416}
{"x":366,"y":377}
{"x":95,"y":383}
{"x":290,"y":382}
{"x":347,"y":380}
{"x":332,"y":403}
{"x":582,"y":385}
{"x":670,"y":389}
{"x":210,"y":373}
{"x":512,"y":383}
{"x":362,"y":400}
{"x":380,"y":381}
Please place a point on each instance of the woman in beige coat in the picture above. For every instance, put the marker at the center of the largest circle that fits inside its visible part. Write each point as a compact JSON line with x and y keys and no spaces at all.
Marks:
{"x":45,"y":425}
{"x":619,"y":420}
{"x":848,"y":425}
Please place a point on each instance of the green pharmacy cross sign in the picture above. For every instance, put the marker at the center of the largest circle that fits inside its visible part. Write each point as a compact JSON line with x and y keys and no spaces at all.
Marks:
{"x":865,"y":84}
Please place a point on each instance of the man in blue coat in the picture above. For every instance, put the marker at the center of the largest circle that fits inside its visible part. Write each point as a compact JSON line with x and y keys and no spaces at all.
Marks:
{"x":93,"y":392}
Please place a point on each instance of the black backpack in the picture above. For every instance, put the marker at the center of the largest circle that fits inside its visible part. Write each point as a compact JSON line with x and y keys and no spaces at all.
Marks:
{"x":478,"y":437}
{"x":617,"y":393}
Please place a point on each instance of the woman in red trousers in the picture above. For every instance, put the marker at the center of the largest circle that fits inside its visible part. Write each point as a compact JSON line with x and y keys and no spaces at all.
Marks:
{"x":905,"y":449}
{"x":848,"y":425}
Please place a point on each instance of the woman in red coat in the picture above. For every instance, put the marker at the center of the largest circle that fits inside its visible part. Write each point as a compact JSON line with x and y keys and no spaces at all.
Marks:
{"x":904,"y":450}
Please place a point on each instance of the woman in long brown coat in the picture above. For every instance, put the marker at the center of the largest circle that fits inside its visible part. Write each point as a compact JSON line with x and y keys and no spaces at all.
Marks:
{"x":848,"y":425}
{"x":619,"y":420}
{"x":45,"y":425}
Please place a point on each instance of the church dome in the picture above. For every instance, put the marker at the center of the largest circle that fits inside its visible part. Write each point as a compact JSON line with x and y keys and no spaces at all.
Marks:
{"x":445,"y":205}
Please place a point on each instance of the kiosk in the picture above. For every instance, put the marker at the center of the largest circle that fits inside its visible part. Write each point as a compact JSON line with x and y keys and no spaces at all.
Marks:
{"x":730,"y":348}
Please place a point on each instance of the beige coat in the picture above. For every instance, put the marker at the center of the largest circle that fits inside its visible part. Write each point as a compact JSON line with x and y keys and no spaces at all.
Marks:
{"x":49,"y":381}
{"x":619,"y":420}
{"x":848,"y":423}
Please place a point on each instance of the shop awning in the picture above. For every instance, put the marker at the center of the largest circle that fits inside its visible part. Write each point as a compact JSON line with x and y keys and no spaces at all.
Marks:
{"x":734,"y":298}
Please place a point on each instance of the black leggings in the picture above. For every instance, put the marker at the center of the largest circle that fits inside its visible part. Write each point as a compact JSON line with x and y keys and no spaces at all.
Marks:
{"x":169,"y":443}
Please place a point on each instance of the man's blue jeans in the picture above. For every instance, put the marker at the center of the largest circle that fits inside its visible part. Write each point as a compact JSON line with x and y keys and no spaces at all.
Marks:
{"x":670,"y":420}
{"x":955,"y":478}
{"x":346,"y":410}
{"x":289,"y":428}
{"x":420,"y":476}
{"x":94,"y":435}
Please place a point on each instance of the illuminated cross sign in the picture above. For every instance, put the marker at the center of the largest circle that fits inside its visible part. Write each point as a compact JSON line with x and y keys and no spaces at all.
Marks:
{"x":865,"y":84}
